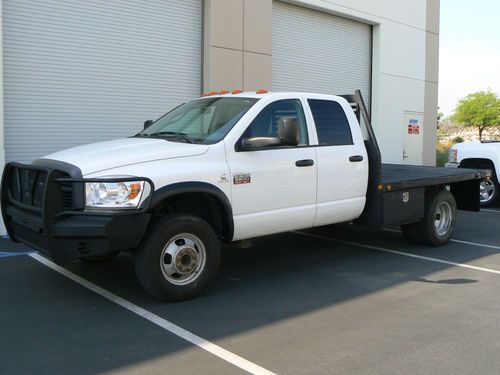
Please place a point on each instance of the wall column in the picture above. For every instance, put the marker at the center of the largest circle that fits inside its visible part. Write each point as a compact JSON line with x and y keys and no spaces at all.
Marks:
{"x":431,"y":81}
{"x":237,"y":45}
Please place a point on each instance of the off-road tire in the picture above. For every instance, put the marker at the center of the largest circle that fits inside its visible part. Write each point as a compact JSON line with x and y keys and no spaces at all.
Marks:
{"x":148,"y":257}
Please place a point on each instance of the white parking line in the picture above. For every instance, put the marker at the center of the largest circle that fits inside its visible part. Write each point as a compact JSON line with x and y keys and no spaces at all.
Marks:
{"x":454,"y":240}
{"x":216,"y":350}
{"x":399,"y":252}
{"x":488,"y":210}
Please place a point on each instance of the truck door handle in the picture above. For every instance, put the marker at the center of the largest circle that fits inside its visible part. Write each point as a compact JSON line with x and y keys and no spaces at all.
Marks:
{"x":355,"y":158}
{"x":304,"y":163}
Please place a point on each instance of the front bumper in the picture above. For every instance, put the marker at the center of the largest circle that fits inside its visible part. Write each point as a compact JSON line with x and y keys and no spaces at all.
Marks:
{"x":43,"y":208}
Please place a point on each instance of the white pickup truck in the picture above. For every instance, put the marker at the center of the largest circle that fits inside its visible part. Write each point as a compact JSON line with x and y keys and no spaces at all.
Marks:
{"x":225,"y":168}
{"x":484,"y":155}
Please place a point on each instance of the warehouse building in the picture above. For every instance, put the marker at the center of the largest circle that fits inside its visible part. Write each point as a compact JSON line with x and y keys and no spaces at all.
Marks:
{"x":76,"y":71}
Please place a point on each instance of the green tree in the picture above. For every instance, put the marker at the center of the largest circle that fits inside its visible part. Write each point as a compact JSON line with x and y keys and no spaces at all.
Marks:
{"x":479,"y":110}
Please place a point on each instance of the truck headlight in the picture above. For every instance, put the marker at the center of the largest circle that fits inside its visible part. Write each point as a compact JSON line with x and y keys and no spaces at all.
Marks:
{"x":113,"y":194}
{"x":453,"y":155}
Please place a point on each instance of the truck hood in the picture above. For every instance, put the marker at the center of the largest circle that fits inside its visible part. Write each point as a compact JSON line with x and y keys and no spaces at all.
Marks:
{"x":97,"y":157}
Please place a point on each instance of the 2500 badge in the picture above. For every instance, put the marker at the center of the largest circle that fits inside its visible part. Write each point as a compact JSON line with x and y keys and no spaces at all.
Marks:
{"x":241,"y":178}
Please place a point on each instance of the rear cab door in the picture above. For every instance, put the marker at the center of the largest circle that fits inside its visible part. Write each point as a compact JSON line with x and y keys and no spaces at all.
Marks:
{"x":273,"y":189}
{"x":341,"y":157}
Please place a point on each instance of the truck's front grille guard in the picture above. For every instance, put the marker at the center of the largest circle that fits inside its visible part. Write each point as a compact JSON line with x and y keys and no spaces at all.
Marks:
{"x":28,"y":185}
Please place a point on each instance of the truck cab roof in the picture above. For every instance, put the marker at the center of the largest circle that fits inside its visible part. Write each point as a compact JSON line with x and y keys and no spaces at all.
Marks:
{"x":273,"y":95}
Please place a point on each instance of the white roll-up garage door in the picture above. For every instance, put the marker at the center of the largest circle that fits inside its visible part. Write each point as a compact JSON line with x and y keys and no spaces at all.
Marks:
{"x":82,"y":71}
{"x":318,"y":52}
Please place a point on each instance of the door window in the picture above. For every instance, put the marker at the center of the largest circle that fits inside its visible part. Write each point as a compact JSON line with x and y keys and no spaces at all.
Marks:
{"x":266,"y":122}
{"x":331,"y":123}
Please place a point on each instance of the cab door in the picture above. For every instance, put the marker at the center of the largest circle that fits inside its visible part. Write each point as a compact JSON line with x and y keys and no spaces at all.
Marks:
{"x":342,"y":161}
{"x":273,"y":187}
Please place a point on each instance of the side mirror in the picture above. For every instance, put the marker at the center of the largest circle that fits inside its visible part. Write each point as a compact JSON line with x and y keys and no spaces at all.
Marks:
{"x":147,"y":124}
{"x":288,"y":131}
{"x":253,"y":143}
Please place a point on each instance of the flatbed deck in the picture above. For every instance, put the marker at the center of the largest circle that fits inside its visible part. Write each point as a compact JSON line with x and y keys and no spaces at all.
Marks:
{"x":401,"y":176}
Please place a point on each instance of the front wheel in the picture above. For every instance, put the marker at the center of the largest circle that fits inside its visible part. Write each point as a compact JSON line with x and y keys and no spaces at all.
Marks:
{"x":179,"y":258}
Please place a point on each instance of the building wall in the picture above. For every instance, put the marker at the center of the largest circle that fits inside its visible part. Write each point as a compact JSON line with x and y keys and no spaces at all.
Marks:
{"x":237,"y":50}
{"x":3,"y":231}
{"x":237,"y":44}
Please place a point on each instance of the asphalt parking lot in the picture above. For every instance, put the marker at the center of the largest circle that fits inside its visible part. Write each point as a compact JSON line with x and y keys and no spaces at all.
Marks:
{"x":324,"y":301}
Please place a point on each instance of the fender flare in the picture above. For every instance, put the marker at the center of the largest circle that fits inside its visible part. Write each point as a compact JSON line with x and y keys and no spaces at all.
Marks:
{"x":197,"y":187}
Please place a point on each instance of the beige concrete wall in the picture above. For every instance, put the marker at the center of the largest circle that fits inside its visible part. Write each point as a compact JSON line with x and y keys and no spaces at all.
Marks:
{"x":238,"y":54}
{"x":237,"y":50}
{"x":431,"y":81}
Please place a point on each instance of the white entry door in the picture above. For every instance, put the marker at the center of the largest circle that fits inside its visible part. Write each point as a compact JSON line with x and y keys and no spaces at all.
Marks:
{"x":413,"y":151}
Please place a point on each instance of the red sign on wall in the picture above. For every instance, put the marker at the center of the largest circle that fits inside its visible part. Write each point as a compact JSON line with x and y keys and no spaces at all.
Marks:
{"x":413,"y":127}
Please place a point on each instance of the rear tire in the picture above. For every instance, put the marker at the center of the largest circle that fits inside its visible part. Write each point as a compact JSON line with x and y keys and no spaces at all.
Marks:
{"x":438,"y":223}
{"x":179,"y":258}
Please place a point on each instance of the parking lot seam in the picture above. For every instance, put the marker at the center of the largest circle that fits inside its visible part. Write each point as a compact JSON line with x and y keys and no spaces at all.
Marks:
{"x":399,"y":253}
{"x":210,"y":347}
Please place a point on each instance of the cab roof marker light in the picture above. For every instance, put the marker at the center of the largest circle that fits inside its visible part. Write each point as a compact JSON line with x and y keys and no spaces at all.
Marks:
{"x":237,"y":91}
{"x":210,"y":93}
{"x":261,"y":91}
{"x":223,"y":92}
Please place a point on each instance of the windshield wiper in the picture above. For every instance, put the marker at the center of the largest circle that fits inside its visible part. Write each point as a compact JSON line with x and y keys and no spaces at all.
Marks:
{"x":182,"y":136}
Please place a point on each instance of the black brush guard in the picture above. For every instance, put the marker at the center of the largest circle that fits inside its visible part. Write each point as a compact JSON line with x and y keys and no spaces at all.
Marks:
{"x":44,"y":208}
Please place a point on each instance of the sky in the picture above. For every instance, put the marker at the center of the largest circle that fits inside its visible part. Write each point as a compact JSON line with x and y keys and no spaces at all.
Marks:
{"x":469,"y":56}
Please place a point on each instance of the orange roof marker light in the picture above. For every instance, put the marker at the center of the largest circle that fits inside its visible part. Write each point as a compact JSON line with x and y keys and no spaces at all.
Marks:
{"x":261,"y":91}
{"x":210,"y":93}
{"x":236,"y":91}
{"x":223,"y":92}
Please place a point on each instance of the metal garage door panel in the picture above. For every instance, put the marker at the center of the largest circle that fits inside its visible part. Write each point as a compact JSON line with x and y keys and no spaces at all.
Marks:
{"x":319,"y":52}
{"x":82,"y":71}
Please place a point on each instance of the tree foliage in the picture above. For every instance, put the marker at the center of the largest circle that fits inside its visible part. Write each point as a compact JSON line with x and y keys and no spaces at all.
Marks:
{"x":480,"y":110}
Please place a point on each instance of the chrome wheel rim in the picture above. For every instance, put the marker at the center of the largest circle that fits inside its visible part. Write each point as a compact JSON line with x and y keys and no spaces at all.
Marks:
{"x":183,"y":259}
{"x":486,"y":191}
{"x":443,"y":218}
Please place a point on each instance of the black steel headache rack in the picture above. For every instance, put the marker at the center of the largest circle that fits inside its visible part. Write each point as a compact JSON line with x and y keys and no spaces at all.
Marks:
{"x":44,"y":208}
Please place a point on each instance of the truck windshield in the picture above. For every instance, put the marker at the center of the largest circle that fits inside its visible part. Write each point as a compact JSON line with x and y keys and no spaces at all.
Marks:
{"x":204,"y":121}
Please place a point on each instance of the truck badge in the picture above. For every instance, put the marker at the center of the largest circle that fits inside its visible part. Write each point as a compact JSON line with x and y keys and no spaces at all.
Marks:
{"x":241,"y":178}
{"x":223,"y":178}
{"x":406,"y":197}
